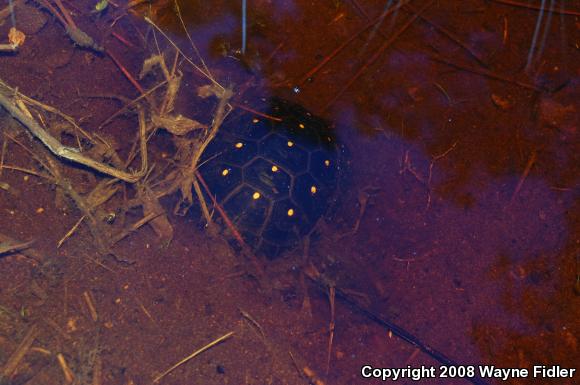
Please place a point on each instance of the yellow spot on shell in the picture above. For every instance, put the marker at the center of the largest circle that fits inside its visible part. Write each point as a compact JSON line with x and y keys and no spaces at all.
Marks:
{"x":274,"y":168}
{"x":290,"y":212}
{"x":327,"y":163}
{"x":256,"y":195}
{"x":301,"y":125}
{"x":239,"y":145}
{"x":255,"y":120}
{"x":313,"y":189}
{"x":225,"y":172}
{"x":290,"y":143}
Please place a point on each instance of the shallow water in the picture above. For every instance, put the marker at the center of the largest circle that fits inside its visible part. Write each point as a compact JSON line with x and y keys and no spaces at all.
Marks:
{"x":457,"y":219}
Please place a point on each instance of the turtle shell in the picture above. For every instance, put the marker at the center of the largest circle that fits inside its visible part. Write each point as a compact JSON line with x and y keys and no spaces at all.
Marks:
{"x":274,"y":172}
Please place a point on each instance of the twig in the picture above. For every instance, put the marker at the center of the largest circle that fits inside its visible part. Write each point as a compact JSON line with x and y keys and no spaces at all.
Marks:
{"x":97,"y":370}
{"x":230,"y":225}
{"x":18,"y":354}
{"x":223,"y":214}
{"x":83,"y":204}
{"x":31,"y":153}
{"x":125,"y":72}
{"x":254,"y":323}
{"x":27,"y":171}
{"x":30,"y":253}
{"x":244,"y":27}
{"x":3,"y":154}
{"x":217,"y":121}
{"x":123,"y":40}
{"x":450,"y":35}
{"x":69,"y":376}
{"x":193,"y":355}
{"x":144,"y":309}
{"x":10,"y":47}
{"x":536,"y":7}
{"x":403,"y":334}
{"x":377,"y":54}
{"x":331,"y":325}
{"x":487,"y":73}
{"x":91,"y":306}
{"x":199,"y":69}
{"x":135,"y":226}
{"x":128,"y":104}
{"x":193,"y":45}
{"x":46,"y":4}
{"x":524,"y":175}
{"x":70,"y":153}
{"x":48,"y":108}
{"x":9,"y":248}
{"x":66,"y":14}
{"x":256,"y":112}
{"x":338,"y":49}
{"x":359,"y":9}
{"x":70,"y":232}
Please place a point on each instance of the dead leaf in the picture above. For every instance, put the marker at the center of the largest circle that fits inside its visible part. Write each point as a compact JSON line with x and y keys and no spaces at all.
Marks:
{"x":501,"y":102}
{"x":160,"y":224}
{"x":210,"y":90}
{"x":16,"y":37}
{"x":555,"y":114}
{"x":177,"y":125}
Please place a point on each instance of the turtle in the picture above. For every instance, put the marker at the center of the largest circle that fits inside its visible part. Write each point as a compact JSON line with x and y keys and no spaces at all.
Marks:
{"x":275,"y":170}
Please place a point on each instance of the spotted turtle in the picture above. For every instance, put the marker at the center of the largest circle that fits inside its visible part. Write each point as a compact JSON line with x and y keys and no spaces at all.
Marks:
{"x":274,"y":171}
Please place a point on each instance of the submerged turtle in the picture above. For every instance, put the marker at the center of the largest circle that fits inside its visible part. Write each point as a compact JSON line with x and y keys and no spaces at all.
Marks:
{"x":274,"y":172}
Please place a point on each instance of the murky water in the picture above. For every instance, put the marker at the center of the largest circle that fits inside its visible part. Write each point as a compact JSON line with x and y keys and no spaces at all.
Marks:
{"x":458,"y":212}
{"x":462,"y":130}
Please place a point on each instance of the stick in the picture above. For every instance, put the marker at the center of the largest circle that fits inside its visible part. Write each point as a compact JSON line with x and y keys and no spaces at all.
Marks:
{"x":193,"y":45}
{"x":123,"y":40}
{"x":30,"y":253}
{"x":217,"y":122}
{"x":448,"y":34}
{"x":125,"y":72}
{"x":193,"y":355}
{"x":317,"y":278}
{"x":198,"y":68}
{"x":536,"y":8}
{"x":256,"y":112}
{"x":48,"y":108}
{"x":69,"y":376}
{"x":46,"y":4}
{"x":338,"y":49}
{"x":70,"y":153}
{"x":331,"y":325}
{"x":9,"y":248}
{"x":3,"y":154}
{"x":376,"y":55}
{"x":8,"y":47}
{"x":70,"y":232}
{"x":91,"y":306}
{"x":18,"y":354}
{"x":66,"y":14}
{"x":524,"y":175}
{"x":486,"y":73}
